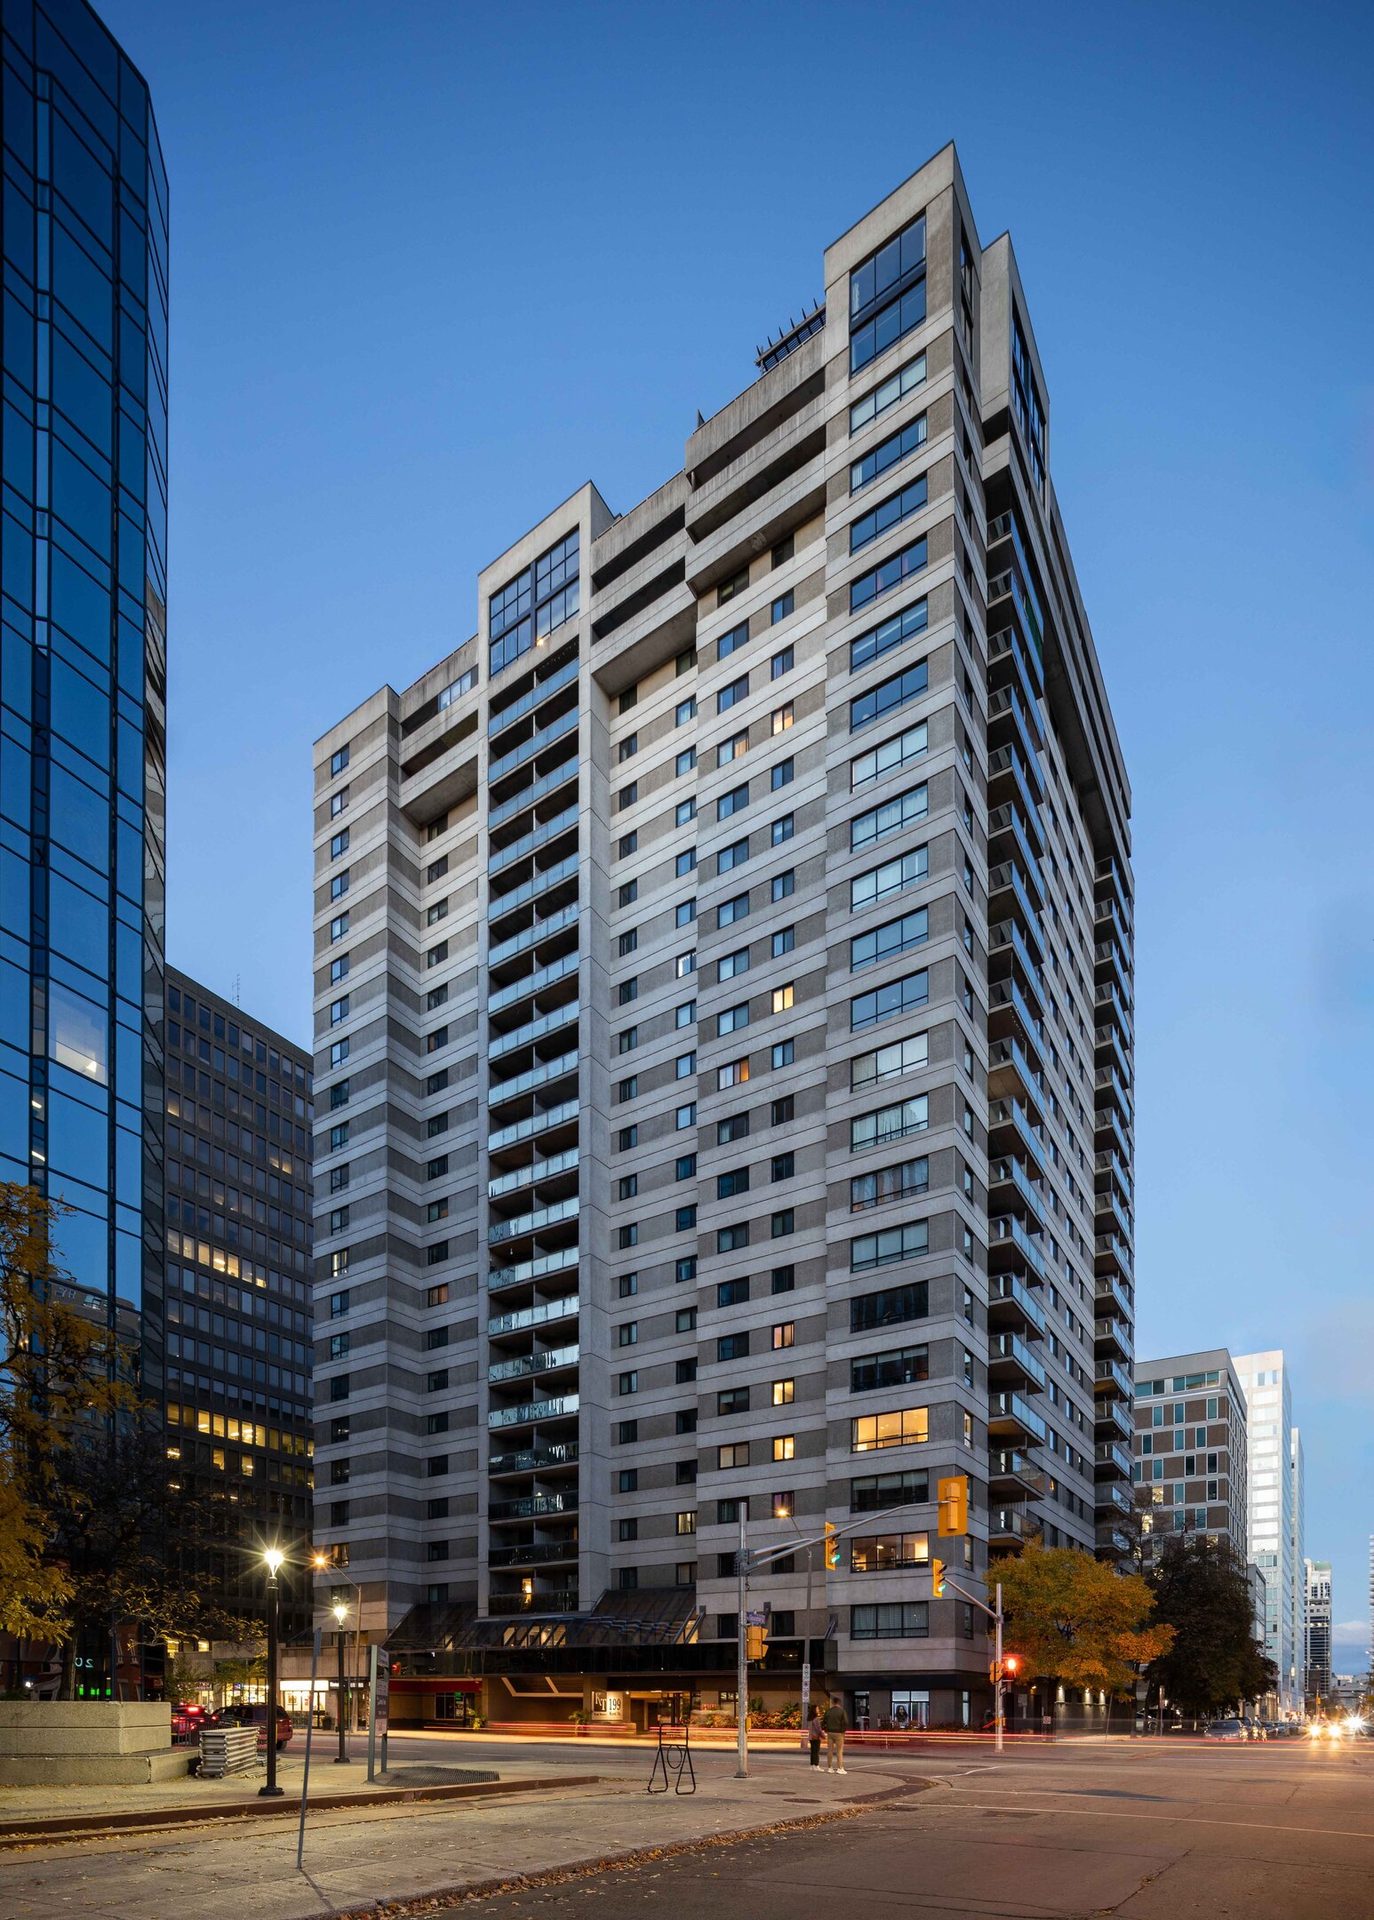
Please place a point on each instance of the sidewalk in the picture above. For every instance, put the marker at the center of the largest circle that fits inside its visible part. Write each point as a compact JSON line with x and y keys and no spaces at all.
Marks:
{"x":188,"y":1796}
{"x":406,"y":1852}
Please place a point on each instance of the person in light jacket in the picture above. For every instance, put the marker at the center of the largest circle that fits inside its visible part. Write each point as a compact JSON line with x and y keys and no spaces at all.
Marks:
{"x":814,"y":1730}
{"x":836,"y":1724}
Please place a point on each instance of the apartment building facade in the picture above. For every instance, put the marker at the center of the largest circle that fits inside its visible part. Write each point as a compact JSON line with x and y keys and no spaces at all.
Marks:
{"x":239,"y":1300}
{"x":1275,"y":1512}
{"x":1190,"y":1457}
{"x":1317,"y":1659}
{"x":723,"y":1023}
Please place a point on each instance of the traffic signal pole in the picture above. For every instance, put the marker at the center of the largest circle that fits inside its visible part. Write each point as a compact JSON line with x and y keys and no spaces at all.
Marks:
{"x":994,"y":1613}
{"x":742,"y":1663}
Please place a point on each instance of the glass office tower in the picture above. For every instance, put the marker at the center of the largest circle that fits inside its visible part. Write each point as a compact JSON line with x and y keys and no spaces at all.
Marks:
{"x":82,"y":656}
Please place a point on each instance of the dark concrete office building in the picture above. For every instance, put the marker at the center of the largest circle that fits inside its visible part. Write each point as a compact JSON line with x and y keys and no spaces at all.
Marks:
{"x":723,"y":1023}
{"x":82,"y":650}
{"x":238,"y":1294}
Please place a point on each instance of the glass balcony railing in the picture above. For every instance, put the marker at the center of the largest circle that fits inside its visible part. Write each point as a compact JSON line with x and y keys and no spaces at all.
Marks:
{"x":531,"y":1410}
{"x":564,"y":1260}
{"x":531,"y":936}
{"x":533,"y":1506}
{"x":544,"y":737}
{"x":547,"y":1311}
{"x":529,"y":1364}
{"x":1009,"y":1290}
{"x":533,"y":1172}
{"x":532,"y":1125}
{"x":1009,"y":1409}
{"x":534,"y":982}
{"x":532,"y":1222}
{"x":546,"y":783}
{"x":504,"y":1043}
{"x":541,"y":691}
{"x":534,"y":1459}
{"x":502,"y":1090}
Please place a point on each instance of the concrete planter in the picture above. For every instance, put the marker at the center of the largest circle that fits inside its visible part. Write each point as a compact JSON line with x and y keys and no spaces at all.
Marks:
{"x":79,"y":1743}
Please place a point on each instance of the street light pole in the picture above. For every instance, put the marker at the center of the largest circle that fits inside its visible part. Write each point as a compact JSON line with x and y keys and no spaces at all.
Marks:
{"x":273,"y":1557}
{"x":742,"y":1660}
{"x":340,"y":1615}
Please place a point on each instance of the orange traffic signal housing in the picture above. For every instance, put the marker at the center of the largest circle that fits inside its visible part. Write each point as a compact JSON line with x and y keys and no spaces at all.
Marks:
{"x":953,"y":1498}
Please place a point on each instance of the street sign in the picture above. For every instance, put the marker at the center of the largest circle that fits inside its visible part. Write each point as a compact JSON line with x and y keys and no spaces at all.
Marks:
{"x":806,"y":1692}
{"x":756,"y":1617}
{"x":379,"y":1701}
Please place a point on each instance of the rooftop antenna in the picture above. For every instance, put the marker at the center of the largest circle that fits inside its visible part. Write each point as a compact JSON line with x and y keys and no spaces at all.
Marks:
{"x":238,"y":982}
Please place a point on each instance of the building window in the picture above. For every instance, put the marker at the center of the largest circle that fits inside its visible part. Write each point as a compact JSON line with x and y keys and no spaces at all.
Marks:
{"x":781,"y":607}
{"x":906,"y":1427}
{"x":890,"y":1620}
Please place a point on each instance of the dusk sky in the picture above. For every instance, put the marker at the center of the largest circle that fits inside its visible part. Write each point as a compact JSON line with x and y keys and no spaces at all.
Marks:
{"x":434,"y":265}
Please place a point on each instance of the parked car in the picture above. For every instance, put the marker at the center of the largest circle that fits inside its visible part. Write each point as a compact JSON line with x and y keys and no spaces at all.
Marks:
{"x":256,"y":1716}
{"x":1225,"y":1730}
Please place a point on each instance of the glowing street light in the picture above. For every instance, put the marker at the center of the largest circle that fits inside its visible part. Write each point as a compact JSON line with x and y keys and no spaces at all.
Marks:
{"x":273,"y":1557}
{"x":340,"y":1612}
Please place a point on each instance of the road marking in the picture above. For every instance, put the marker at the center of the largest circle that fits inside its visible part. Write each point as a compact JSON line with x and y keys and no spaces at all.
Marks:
{"x":1191,"y":1820}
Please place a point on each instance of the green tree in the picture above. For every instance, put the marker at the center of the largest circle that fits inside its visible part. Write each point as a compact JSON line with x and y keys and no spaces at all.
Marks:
{"x":1201,"y":1590}
{"x":1075,"y":1620}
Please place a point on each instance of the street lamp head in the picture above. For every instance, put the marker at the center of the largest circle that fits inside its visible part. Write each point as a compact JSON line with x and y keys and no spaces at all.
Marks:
{"x":340,"y":1609}
{"x":319,"y":1561}
{"x":273,"y":1556}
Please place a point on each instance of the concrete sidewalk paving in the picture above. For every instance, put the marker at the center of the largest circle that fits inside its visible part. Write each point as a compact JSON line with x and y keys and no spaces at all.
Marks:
{"x":353,"y":1863}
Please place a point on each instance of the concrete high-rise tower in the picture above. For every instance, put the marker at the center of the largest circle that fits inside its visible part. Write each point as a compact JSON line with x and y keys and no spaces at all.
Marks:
{"x":724,"y":1026}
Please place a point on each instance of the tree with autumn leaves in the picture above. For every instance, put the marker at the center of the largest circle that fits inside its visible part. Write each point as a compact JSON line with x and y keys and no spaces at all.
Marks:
{"x":1075,"y":1620}
{"x":94,"y":1529}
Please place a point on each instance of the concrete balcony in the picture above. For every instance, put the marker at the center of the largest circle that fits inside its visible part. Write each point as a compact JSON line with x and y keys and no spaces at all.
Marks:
{"x":1009,"y":1528}
{"x":1013,"y":1475}
{"x":1010,"y":1125}
{"x":524,"y":797}
{"x":529,"y":984}
{"x":554,"y":1600}
{"x":522,"y":1036}
{"x":1012,"y":1418}
{"x":564,"y":1260}
{"x":1111,"y":1339}
{"x":1012,"y":1364}
{"x":530,"y":936}
{"x":534,"y":1221}
{"x":559,"y":823}
{"x":533,"y":1507}
{"x":1010,"y":1186}
{"x":541,"y":1460}
{"x":1112,"y":1420}
{"x":1111,"y":1256}
{"x":563,"y":1113}
{"x":1111,"y":1461}
{"x":1011,"y":1303}
{"x":541,"y":1553}
{"x":1008,"y":1237}
{"x":534,"y":1172}
{"x":1112,"y":1299}
{"x":528,"y":703}
{"x":1113,"y":1541}
{"x":1110,"y":1377}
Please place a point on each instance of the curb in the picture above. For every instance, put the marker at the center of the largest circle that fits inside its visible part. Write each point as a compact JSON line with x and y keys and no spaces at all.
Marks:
{"x":443,"y":1899}
{"x":15,"y":1833}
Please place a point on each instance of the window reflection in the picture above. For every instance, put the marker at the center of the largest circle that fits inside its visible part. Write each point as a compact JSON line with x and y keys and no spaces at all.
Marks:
{"x":77,"y":1034}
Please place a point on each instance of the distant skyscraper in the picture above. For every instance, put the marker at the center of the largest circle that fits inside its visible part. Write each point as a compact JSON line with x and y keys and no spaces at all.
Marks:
{"x":1317,"y":1582}
{"x":82,"y":654}
{"x":1275,"y":1512}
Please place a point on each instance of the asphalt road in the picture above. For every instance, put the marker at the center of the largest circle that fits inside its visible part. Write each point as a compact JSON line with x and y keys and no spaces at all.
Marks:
{"x":1074,"y":1832}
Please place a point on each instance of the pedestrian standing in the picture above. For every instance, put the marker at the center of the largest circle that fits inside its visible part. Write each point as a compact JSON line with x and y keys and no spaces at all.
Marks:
{"x":835,"y":1721}
{"x":814,"y":1730}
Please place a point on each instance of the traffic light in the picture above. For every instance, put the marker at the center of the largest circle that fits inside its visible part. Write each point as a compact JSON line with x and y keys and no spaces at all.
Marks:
{"x":832,"y":1544}
{"x":953,"y":1497}
{"x":755,"y":1642}
{"x":937,"y":1577}
{"x":1011,"y":1665}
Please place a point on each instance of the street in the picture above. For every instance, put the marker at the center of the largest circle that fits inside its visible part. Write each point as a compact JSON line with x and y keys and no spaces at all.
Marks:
{"x":1135,"y":1829}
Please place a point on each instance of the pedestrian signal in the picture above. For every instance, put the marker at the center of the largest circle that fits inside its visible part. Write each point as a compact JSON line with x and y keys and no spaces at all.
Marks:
{"x":937,"y":1577}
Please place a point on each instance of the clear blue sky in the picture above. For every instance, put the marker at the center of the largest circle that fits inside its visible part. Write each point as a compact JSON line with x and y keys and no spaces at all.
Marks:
{"x":436,"y":264}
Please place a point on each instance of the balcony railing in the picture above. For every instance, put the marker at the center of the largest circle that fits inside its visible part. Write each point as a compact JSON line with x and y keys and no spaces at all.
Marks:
{"x":502,"y":1090}
{"x":536,"y":837}
{"x":1010,"y":1290}
{"x":1109,"y":1457}
{"x":529,"y":1364}
{"x":1012,"y":1465}
{"x":546,"y":783}
{"x":1005,"y":1229}
{"x":533,"y":1172}
{"x":500,"y":904}
{"x":1009,"y":1523}
{"x":541,"y":691}
{"x":533,"y":1507}
{"x":565,"y":1308}
{"x":563,"y":1261}
{"x":1111,"y":1332}
{"x":1111,"y":1377}
{"x":531,"y":1410}
{"x":534,"y":982}
{"x":543,"y":737}
{"x":531,"y":1222}
{"x":1008,"y":1349}
{"x":534,"y":1459}
{"x":1002,"y":1113}
{"x":531,"y":936}
{"x":546,"y":1553}
{"x":1007,"y":1172}
{"x":1009,"y":1409}
{"x":504,"y":1043}
{"x":532,"y":1124}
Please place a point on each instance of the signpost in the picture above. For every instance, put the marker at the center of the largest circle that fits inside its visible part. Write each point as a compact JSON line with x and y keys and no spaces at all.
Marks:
{"x":309,"y":1729}
{"x":378,"y":1704}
